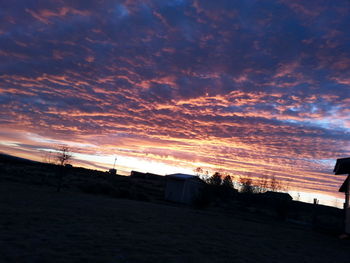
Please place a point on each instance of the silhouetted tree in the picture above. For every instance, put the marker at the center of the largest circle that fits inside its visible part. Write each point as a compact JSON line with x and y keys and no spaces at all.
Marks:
{"x":262,"y":184}
{"x":275,"y":185}
{"x":266,"y":183}
{"x":246,"y":185}
{"x":227,"y":182}
{"x":198,"y":171}
{"x":63,"y":156}
{"x":215,"y":179}
{"x":47,"y":157}
{"x":201,"y":173}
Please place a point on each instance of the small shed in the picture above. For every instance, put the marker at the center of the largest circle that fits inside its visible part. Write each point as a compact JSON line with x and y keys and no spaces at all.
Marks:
{"x":342,"y":166}
{"x":182,"y":188}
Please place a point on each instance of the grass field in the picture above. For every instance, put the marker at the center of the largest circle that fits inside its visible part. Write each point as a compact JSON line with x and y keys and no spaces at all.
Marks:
{"x":37,"y":224}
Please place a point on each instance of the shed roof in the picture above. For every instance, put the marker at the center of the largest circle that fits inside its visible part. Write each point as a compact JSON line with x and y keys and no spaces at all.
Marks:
{"x":182,"y":176}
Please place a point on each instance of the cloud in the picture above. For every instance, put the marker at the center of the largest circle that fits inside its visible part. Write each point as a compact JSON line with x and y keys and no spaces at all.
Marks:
{"x":249,"y":87}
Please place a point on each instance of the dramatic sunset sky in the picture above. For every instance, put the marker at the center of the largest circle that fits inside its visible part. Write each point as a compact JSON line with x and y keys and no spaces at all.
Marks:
{"x":247,"y":87}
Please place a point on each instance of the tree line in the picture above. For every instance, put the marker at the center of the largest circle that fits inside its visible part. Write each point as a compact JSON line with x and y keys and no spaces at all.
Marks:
{"x":243,"y":184}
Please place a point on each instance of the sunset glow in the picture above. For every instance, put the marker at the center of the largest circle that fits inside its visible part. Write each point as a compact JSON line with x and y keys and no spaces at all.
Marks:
{"x":250,"y":88}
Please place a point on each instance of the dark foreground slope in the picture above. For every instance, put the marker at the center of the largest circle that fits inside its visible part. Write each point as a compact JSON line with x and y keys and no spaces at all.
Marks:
{"x":38,"y":224}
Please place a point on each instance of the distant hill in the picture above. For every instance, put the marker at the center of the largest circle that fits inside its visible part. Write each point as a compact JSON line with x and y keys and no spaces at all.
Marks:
{"x":14,"y":159}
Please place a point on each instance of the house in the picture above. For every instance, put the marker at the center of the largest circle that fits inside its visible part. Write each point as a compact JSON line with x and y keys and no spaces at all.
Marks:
{"x":342,"y":166}
{"x":182,"y":188}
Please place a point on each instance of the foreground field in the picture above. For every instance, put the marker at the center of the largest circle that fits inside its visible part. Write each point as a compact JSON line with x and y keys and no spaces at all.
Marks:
{"x":39,"y":225}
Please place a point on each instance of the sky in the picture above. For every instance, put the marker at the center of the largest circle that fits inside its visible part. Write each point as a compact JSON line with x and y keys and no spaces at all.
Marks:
{"x":249,"y":87}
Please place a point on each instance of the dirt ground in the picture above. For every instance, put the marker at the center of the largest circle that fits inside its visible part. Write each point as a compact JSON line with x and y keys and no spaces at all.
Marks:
{"x":38,"y":224}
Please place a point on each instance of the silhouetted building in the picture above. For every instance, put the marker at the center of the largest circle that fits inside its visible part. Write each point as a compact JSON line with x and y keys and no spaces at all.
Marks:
{"x":112,"y":171}
{"x":182,"y":188}
{"x":344,"y":186}
{"x":137,"y":174}
{"x":144,"y":175}
{"x":342,"y":166}
{"x":277,"y":196}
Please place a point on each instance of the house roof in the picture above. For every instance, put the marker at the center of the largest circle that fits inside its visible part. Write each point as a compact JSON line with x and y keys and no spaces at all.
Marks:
{"x":344,"y":186}
{"x":342,"y":166}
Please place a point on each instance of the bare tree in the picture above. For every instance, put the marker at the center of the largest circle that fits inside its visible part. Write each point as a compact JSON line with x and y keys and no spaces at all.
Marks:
{"x":205,"y":175}
{"x":47,"y":157}
{"x":246,"y":185}
{"x":63,"y":157}
{"x":262,"y":184}
{"x":266,"y":183}
{"x":274,"y":184}
{"x":201,"y":173}
{"x":198,"y":171}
